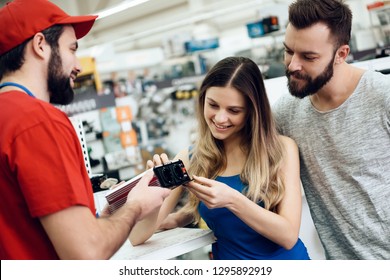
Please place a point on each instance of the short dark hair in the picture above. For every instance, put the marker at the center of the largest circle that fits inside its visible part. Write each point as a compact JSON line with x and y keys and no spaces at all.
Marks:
{"x":14,"y":59}
{"x":333,"y":13}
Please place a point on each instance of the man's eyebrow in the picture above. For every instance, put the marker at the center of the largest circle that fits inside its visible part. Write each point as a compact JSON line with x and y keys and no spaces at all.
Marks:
{"x":303,"y":52}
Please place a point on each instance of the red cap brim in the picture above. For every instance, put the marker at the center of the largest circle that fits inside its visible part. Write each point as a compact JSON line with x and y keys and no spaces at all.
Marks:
{"x":81,"y":24}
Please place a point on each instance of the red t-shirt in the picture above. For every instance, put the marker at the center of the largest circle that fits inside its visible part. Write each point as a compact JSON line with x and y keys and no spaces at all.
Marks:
{"x":42,"y":171}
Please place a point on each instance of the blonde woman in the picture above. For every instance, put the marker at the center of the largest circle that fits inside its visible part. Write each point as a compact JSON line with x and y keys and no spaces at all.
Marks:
{"x":246,"y":176}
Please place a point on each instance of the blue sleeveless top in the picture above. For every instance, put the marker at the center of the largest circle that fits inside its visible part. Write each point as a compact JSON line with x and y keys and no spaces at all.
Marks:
{"x":236,"y":240}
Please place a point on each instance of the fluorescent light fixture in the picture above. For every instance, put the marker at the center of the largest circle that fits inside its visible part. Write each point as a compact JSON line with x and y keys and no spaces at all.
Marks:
{"x":190,"y":20}
{"x":120,"y":7}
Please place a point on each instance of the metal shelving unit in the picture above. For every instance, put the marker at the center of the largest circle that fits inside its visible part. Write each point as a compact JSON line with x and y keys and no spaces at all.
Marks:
{"x":78,"y":126}
{"x":380,"y":17}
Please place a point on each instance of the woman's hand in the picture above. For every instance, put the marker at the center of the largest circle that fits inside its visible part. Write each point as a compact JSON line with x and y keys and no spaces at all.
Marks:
{"x":157,"y":160}
{"x":212,"y":193}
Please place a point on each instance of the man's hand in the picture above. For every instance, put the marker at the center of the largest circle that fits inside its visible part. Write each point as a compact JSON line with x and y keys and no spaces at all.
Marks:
{"x":148,"y":198}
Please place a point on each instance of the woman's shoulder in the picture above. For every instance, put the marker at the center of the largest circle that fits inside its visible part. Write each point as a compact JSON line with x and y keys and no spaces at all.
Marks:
{"x":290,"y":155}
{"x":288,"y":143}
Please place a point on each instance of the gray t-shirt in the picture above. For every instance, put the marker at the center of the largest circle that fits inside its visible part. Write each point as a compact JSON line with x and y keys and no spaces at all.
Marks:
{"x":345,"y":167}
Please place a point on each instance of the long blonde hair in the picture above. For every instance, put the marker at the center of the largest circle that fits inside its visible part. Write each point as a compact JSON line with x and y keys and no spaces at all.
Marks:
{"x":260,"y":141}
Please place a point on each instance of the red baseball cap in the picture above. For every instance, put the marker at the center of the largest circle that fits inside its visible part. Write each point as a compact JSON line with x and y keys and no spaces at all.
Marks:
{"x":22,"y":19}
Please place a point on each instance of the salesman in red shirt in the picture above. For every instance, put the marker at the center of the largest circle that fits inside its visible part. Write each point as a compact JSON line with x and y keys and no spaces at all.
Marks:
{"x":47,"y":208}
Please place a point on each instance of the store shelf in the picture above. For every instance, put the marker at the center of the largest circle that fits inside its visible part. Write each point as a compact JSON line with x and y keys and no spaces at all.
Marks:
{"x":380,"y":17}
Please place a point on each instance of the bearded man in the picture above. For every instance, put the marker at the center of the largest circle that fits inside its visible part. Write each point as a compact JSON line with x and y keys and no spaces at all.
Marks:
{"x":339,"y":115}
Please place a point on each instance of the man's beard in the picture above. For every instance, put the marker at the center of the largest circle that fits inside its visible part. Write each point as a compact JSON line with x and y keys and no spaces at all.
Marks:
{"x":61,"y":92}
{"x":312,"y":85}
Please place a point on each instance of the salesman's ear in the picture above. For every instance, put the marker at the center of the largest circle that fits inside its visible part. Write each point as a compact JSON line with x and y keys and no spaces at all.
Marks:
{"x":40,"y":47}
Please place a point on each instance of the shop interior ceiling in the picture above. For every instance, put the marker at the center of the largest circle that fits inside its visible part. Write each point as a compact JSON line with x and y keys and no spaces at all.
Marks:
{"x":144,"y":24}
{"x":149,"y":22}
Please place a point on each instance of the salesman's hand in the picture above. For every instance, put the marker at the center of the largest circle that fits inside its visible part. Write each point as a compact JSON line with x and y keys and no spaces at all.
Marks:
{"x":105,"y":211}
{"x":149,"y":198}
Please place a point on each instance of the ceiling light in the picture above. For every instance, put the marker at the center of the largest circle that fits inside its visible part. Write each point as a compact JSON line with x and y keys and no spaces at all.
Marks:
{"x":120,"y":7}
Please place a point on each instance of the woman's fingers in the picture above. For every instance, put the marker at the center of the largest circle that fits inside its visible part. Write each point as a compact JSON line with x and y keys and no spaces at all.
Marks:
{"x":164,"y":158}
{"x":157,"y":160}
{"x":149,"y":164}
{"x":198,"y":189}
{"x":204,"y":181}
{"x":160,"y":159}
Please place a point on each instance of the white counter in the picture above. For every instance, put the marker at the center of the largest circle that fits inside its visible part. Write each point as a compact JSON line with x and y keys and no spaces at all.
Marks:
{"x":166,"y":245}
